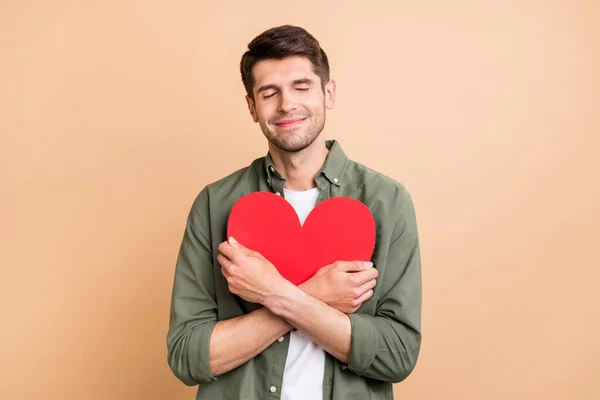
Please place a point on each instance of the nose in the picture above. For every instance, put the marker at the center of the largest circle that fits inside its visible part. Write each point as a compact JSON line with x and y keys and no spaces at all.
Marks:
{"x":287,"y":102}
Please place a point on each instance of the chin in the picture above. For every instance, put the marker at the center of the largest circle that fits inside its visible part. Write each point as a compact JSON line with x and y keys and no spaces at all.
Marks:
{"x":292,"y":147}
{"x":292,"y":141}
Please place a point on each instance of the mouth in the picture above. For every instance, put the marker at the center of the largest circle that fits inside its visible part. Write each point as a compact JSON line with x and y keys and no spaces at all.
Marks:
{"x":288,"y":123}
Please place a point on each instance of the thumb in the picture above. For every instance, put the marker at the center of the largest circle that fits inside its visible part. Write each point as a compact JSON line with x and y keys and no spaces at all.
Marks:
{"x":237,"y":245}
{"x":356,"y":266}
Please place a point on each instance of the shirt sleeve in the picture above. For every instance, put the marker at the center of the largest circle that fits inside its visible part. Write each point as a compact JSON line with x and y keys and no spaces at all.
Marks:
{"x":386,"y":346}
{"x":193,"y":312}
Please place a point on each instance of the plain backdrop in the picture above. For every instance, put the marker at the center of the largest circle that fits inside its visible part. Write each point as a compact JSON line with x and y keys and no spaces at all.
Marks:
{"x":115,"y":114}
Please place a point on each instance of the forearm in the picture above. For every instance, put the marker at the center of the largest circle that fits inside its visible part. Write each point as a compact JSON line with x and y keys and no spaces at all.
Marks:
{"x":383,"y":348}
{"x":237,"y":340}
{"x":328,"y":327}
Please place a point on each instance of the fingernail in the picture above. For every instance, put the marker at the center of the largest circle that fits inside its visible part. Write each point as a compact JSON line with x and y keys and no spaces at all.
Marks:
{"x":368,"y":264}
{"x":232,"y":240}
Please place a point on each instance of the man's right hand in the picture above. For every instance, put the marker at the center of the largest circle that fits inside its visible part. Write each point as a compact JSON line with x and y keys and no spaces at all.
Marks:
{"x":343,"y":285}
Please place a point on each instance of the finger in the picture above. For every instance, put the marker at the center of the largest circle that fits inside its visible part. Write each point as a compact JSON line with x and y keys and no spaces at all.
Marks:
{"x":355,"y":266}
{"x":229,"y":251}
{"x":225,"y":262}
{"x":225,"y":248}
{"x":364,"y":276}
{"x":365,"y":287}
{"x":225,"y":273}
{"x":365,"y":296}
{"x":240,"y":247}
{"x":228,"y":268}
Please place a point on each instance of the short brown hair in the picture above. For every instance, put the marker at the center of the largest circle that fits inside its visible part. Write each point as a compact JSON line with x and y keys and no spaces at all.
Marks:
{"x":278,"y":43}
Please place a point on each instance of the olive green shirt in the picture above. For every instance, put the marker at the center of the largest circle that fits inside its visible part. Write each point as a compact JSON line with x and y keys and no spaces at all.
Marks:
{"x":386,"y":330}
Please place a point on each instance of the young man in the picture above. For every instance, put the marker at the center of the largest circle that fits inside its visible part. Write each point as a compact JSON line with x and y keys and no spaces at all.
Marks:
{"x":242,"y":331}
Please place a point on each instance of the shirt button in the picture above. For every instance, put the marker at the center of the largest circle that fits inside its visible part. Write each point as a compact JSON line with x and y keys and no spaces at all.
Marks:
{"x":273,"y":389}
{"x":280,"y":339}
{"x":272,"y":169}
{"x":278,"y":194}
{"x":336,"y":180}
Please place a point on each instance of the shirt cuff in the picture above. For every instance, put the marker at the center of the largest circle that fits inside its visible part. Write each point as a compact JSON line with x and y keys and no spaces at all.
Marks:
{"x":363,"y":347}
{"x":199,"y":348}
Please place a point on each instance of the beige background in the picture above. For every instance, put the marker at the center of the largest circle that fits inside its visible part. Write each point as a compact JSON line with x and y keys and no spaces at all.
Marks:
{"x":114,"y":114}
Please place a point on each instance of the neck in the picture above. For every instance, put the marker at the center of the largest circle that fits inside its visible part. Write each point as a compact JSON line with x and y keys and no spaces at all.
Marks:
{"x":300,"y":168}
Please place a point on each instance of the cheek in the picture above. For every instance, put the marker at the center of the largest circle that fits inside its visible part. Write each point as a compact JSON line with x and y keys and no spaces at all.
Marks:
{"x":317,"y":107}
{"x":317,"y":101}
{"x":263,"y":118}
{"x":263,"y":113}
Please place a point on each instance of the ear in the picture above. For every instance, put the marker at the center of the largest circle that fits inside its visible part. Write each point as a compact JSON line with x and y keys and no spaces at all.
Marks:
{"x":330,"y":94}
{"x":251,"y":108}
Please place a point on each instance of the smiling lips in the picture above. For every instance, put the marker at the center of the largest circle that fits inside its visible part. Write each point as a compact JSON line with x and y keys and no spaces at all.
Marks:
{"x":288,"y":123}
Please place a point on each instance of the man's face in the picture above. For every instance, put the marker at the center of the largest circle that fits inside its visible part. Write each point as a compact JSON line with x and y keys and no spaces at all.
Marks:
{"x":289,"y":103}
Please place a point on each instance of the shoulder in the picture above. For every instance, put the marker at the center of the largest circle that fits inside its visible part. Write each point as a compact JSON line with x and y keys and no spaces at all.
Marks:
{"x":388,"y":199}
{"x":375,"y":184}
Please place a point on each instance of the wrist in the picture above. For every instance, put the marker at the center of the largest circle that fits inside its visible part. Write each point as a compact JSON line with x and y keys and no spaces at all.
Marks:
{"x":282,"y":296}
{"x":285,"y":325}
{"x":272,"y":287}
{"x":314,"y":290}
{"x":309,"y":288}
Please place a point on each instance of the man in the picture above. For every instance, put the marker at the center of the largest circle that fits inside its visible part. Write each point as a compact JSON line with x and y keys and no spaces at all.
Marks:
{"x":242,"y":331}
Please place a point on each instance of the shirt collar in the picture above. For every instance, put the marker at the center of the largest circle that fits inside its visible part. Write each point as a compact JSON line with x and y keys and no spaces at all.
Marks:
{"x":333,"y":168}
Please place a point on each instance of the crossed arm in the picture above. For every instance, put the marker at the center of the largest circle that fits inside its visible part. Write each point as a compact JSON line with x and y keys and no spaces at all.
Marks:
{"x":382,"y":346}
{"x":310,"y":307}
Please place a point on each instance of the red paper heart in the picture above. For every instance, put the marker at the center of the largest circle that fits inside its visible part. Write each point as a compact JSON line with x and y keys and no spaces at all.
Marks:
{"x":338,"y":229}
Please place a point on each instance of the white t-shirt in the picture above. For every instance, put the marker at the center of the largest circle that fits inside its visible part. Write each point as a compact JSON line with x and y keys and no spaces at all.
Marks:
{"x":305,"y":362}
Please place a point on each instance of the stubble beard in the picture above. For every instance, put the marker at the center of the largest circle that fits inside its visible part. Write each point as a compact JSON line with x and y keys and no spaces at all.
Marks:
{"x":290,"y":142}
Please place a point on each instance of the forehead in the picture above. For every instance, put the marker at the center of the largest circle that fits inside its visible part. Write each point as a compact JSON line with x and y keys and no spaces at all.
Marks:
{"x":280,"y":72}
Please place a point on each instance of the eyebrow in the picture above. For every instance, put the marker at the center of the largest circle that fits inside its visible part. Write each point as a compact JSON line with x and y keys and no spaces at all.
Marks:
{"x":307,"y":81}
{"x":301,"y":81}
{"x":266,"y":87}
